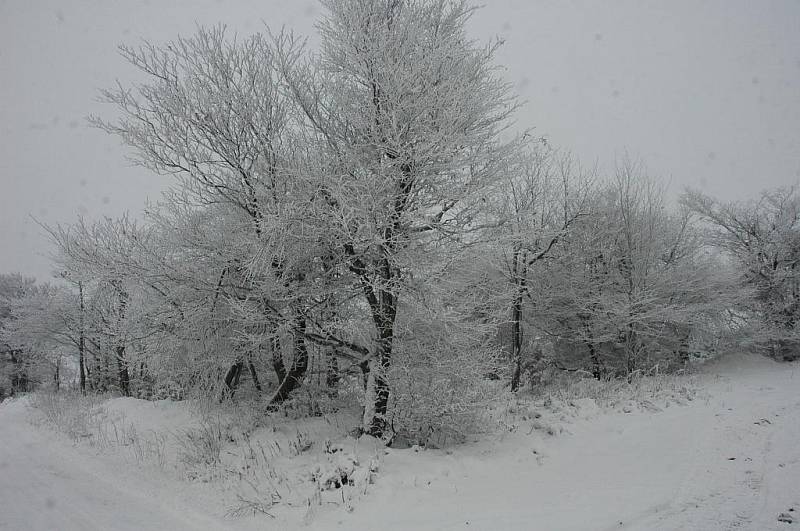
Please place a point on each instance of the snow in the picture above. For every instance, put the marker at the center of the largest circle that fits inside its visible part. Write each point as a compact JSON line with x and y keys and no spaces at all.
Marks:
{"x":45,"y":485}
{"x":727,"y":459}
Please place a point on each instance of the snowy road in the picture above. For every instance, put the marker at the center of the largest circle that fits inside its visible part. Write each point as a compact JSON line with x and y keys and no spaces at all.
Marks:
{"x":47,"y":485}
{"x":731,"y":461}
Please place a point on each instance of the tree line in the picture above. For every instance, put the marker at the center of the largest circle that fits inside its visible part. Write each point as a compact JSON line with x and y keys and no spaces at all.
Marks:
{"x":362,"y":218}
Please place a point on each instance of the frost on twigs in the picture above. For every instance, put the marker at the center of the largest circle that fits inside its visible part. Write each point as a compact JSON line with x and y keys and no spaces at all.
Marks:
{"x":440,"y":388}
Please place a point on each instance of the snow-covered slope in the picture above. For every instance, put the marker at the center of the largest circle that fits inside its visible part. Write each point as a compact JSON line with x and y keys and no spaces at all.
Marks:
{"x":730,"y":461}
{"x":727,"y":460}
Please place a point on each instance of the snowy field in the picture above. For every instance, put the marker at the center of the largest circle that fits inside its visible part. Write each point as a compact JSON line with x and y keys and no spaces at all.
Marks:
{"x":724,"y":457}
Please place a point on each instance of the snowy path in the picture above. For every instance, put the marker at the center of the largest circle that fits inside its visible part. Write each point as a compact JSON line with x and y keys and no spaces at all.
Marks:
{"x":744,"y":469}
{"x":48,"y":485}
{"x":731,"y":461}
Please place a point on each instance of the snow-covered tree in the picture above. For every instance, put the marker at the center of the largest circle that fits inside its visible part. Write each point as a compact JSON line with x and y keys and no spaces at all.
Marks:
{"x":762,"y":237}
{"x":541,"y":197}
{"x":35,"y":341}
{"x":332,"y":176}
{"x":409,"y":114}
{"x":633,"y":286}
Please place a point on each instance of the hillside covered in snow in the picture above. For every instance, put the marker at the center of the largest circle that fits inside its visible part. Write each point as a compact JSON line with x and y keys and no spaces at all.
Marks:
{"x":713,"y":451}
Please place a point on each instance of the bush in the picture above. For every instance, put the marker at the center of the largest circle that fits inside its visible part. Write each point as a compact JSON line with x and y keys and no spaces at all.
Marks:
{"x":439,"y":396}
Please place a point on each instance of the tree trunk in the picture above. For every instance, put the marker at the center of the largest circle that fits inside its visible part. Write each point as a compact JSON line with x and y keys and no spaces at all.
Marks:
{"x":82,"y":342}
{"x":631,"y":351}
{"x":332,"y":370}
{"x":122,"y":364}
{"x":516,"y":341}
{"x":377,"y":398}
{"x":294,"y":377}
{"x":106,"y":381}
{"x":57,"y":375}
{"x":254,"y":375}
{"x":597,"y":367}
{"x":520,"y":273}
{"x":100,"y":367}
{"x":277,"y":359}
{"x":597,"y":364}
{"x":380,"y":393}
{"x":684,"y":345}
{"x":232,"y":377}
{"x":122,"y":372}
{"x":19,"y":378}
{"x":364,"y":366}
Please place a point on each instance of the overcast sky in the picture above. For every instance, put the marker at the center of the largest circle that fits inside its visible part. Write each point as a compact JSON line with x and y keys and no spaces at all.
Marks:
{"x":707,"y":93}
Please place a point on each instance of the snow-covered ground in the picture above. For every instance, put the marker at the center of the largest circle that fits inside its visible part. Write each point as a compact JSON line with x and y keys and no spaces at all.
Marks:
{"x":727,"y":459}
{"x":46,"y":484}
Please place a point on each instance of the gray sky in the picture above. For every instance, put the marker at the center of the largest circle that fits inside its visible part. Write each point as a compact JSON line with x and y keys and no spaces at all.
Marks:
{"x":707,"y":93}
